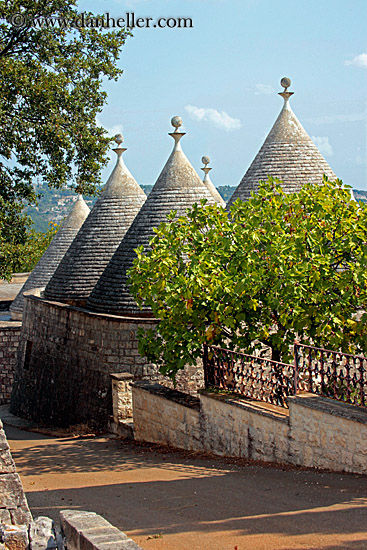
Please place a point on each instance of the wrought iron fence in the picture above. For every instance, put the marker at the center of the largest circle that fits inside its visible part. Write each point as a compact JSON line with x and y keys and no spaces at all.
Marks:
{"x":324,"y":372}
{"x":332,"y":374}
{"x":248,"y":375}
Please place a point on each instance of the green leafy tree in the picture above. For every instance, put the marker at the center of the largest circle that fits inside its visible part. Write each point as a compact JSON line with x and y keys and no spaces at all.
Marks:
{"x":26,"y":256}
{"x":280,"y":267}
{"x":51,"y":92}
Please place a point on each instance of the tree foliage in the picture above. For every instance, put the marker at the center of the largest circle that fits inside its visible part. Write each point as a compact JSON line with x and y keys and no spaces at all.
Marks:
{"x":279,"y":267}
{"x":27,"y":255}
{"x":51,"y":92}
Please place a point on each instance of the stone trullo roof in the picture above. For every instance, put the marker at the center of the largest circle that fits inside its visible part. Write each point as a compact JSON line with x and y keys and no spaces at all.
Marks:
{"x":288,"y":153}
{"x":52,"y":257}
{"x":100,"y":235}
{"x":208,"y":182}
{"x":178,"y":187}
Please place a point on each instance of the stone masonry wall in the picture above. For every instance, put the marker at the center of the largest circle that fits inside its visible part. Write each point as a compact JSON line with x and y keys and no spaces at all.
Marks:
{"x":165,"y":416}
{"x":327,"y":434}
{"x":65,"y":359}
{"x":9,"y":342}
{"x":318,"y":432}
{"x":234,"y":427}
{"x":13,"y":505}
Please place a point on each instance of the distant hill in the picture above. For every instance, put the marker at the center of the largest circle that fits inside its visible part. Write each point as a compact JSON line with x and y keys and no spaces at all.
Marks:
{"x":360,"y":195}
{"x":54,"y":204}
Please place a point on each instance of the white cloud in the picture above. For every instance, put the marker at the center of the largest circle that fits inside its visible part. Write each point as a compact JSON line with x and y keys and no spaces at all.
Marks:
{"x":111,"y":130}
{"x":323,"y":145}
{"x":218,"y":119}
{"x":358,"y":61}
{"x":265,"y":89}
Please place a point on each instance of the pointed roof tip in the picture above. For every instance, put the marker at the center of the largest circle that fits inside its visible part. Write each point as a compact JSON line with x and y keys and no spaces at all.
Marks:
{"x":288,"y":153}
{"x":110,"y":218}
{"x":286,"y":83}
{"x":121,"y":182}
{"x":176,"y":122}
{"x":78,"y":213}
{"x":208,"y":182}
{"x":177,"y":187}
{"x":54,"y":254}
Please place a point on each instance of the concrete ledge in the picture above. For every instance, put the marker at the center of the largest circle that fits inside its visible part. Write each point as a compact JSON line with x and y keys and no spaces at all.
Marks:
{"x":181,"y":398}
{"x":89,"y":531}
{"x":330,"y":406}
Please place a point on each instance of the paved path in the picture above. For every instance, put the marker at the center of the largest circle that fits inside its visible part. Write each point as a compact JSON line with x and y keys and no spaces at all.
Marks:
{"x":172,"y":501}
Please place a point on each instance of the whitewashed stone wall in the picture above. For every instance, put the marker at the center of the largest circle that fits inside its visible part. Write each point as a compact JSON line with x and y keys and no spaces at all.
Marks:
{"x":166,"y":416}
{"x":317,"y":432}
{"x":327,"y":434}
{"x":230,"y":427}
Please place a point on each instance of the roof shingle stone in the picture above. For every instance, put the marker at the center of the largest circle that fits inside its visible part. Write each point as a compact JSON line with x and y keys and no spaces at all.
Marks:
{"x":99,"y":236}
{"x":178,"y":187}
{"x":288,"y":154}
{"x":53,"y":255}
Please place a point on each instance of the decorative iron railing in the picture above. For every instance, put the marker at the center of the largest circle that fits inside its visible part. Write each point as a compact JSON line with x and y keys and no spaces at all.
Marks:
{"x":324,"y":372}
{"x":248,"y":375}
{"x":332,"y":374}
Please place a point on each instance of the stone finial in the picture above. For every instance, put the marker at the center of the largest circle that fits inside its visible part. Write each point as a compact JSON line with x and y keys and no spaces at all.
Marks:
{"x":176,"y":122}
{"x":285,"y":83}
{"x":205,"y":160}
{"x":118,"y":138}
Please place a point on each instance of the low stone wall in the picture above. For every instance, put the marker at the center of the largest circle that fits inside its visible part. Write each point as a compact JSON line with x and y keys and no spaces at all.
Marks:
{"x":317,"y":432}
{"x":13,"y":504}
{"x":65,"y":359}
{"x":327,"y":434}
{"x":166,"y":416}
{"x":89,"y":531}
{"x":236,"y":427}
{"x":9,"y":342}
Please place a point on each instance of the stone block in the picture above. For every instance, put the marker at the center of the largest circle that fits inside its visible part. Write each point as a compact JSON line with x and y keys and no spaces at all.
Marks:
{"x":11,"y":491}
{"x":5,"y":516}
{"x":14,"y":537}
{"x":88,"y":531}
{"x":41,"y":534}
{"x":21,"y":515}
{"x":7,"y":465}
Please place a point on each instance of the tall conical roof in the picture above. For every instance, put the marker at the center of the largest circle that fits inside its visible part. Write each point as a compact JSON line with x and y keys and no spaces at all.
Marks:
{"x":99,"y":236}
{"x":52,"y":257}
{"x":208,"y":182}
{"x":177,"y":188}
{"x":288,"y":154}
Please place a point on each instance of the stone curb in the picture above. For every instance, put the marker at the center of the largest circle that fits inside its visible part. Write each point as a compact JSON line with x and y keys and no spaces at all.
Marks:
{"x":89,"y":531}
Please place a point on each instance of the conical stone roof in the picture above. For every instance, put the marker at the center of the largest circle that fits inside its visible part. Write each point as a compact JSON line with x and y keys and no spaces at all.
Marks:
{"x":178,"y":187}
{"x":208,"y":182}
{"x":99,"y":236}
{"x":52,"y":257}
{"x":288,"y":154}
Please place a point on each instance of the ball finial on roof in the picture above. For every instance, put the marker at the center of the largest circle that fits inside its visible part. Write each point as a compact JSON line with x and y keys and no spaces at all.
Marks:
{"x":285,"y":82}
{"x":205,"y":160}
{"x":119,"y":138}
{"x":176,"y":122}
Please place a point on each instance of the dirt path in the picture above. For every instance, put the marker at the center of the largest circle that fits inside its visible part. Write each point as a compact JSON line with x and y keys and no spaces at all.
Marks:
{"x":171,"y":501}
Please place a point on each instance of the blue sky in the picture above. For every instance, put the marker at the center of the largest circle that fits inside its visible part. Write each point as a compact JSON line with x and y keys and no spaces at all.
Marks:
{"x":222,"y":77}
